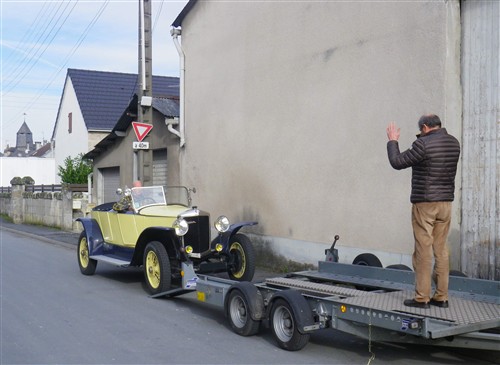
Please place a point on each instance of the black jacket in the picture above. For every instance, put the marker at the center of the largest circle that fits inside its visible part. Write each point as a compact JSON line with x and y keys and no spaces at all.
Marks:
{"x":433,"y":158}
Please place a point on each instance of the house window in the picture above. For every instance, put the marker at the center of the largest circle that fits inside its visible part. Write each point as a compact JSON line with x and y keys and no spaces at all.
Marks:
{"x":70,"y":123}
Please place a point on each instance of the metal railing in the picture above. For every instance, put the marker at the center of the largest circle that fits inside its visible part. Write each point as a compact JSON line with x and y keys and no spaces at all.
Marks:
{"x":47,"y":188}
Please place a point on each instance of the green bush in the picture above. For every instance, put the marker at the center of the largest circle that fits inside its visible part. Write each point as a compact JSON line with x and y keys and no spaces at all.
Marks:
{"x":75,"y":170}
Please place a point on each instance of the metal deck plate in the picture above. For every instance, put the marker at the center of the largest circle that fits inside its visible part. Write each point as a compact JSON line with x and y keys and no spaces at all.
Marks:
{"x":460,"y":311}
{"x":316,"y":287}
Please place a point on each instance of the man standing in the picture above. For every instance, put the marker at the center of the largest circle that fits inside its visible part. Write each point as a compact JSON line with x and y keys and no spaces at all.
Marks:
{"x":433,"y":158}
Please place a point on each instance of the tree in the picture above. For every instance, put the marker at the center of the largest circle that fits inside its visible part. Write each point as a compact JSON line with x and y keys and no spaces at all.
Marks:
{"x":75,"y":170}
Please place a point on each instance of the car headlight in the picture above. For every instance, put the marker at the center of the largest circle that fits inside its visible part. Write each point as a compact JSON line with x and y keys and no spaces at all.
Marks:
{"x":221,"y":224}
{"x":181,"y":227}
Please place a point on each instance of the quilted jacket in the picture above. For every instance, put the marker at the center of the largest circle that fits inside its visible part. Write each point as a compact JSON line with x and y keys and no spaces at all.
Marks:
{"x":433,"y":158}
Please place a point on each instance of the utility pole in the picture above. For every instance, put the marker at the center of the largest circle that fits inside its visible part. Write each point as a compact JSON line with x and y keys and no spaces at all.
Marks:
{"x":145,"y":90}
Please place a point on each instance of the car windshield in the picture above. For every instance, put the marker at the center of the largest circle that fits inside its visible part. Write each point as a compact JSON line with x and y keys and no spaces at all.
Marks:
{"x":148,"y":195}
{"x":159,"y":195}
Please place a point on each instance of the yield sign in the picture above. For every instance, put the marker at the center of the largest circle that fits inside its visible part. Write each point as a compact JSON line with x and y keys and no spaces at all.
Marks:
{"x":141,"y":130}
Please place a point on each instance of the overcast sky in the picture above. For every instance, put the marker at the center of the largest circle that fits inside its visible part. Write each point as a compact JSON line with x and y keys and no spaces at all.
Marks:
{"x":40,"y":40}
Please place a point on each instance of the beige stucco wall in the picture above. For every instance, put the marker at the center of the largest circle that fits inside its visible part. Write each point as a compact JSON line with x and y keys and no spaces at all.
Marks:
{"x":286,"y":109}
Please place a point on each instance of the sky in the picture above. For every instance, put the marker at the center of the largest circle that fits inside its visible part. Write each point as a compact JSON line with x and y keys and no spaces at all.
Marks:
{"x":41,"y":39}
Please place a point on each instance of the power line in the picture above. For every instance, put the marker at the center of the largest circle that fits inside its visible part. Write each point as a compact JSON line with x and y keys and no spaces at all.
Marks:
{"x":32,"y":62}
{"x":66,"y":60}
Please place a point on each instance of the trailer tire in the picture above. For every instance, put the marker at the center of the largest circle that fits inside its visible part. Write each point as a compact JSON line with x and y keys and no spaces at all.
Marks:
{"x":86,"y":264}
{"x":457,"y":273}
{"x":284,"y":327}
{"x":239,"y":314}
{"x":367,"y":259}
{"x":399,"y":267}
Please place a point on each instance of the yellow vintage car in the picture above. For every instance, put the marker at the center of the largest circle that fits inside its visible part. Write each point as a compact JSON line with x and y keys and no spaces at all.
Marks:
{"x":158,"y":229}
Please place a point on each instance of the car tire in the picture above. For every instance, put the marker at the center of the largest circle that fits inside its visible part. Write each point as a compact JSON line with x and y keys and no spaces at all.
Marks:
{"x":156,"y":267}
{"x":86,"y":264}
{"x":241,"y":258}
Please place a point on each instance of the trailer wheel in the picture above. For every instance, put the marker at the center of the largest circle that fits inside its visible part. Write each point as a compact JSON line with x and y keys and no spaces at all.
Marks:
{"x":239,"y":315}
{"x":457,"y":273}
{"x":156,"y":268}
{"x":86,"y":264}
{"x":284,"y":327}
{"x":367,"y":259}
{"x":399,"y":267}
{"x":242,"y":257}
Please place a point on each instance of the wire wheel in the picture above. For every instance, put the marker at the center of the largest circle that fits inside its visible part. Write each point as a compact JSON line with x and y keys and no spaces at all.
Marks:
{"x":86,"y":264}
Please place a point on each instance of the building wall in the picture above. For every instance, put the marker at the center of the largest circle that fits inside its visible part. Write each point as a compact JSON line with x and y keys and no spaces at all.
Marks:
{"x":42,"y":170}
{"x":69,"y":144}
{"x":286,"y":110}
{"x":481,"y":143}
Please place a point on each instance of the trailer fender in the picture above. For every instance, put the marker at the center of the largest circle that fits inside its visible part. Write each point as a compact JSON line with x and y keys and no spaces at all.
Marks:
{"x":301,"y":310}
{"x":252,"y":296}
{"x":95,"y":239}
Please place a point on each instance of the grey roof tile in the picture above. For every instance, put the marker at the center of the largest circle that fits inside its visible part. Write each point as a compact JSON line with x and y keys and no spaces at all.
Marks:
{"x":103,"y":96}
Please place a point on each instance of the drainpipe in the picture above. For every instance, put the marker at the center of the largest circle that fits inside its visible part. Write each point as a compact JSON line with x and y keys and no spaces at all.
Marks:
{"x":170,"y":126}
{"x":175,"y":33}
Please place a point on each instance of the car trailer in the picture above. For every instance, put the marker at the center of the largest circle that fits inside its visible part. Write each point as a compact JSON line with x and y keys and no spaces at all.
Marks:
{"x":361,"y":300}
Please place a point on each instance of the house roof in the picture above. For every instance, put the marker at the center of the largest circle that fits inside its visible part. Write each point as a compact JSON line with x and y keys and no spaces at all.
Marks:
{"x":169,"y":107}
{"x":178,"y":21}
{"x":103,"y":96}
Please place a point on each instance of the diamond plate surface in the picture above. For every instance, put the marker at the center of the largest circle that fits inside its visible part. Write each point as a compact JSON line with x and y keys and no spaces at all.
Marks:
{"x":317,"y":287}
{"x":460,"y":311}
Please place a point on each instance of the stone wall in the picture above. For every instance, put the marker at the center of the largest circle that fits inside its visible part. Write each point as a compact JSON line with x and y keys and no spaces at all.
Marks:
{"x":54,"y":209}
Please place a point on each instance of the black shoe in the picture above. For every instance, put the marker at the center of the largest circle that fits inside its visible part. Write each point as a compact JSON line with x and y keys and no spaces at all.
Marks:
{"x":439,"y":303}
{"x":415,"y":304}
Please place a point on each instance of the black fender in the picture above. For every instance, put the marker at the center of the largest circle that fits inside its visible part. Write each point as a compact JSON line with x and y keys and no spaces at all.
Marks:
{"x":225,"y":237}
{"x":301,"y":310}
{"x":165,"y":235}
{"x":253,"y":297}
{"x":93,"y":232}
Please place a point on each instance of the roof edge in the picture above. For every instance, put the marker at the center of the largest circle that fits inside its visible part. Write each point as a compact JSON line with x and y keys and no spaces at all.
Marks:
{"x":178,"y":21}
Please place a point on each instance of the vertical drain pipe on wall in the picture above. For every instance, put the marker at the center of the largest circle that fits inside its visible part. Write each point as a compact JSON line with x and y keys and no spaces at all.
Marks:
{"x":175,"y":33}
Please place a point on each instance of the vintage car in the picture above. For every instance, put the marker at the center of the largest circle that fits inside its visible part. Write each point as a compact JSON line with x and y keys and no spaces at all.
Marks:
{"x":158,"y":229}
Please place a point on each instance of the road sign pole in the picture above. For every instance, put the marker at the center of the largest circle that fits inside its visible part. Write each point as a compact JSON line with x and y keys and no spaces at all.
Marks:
{"x":145,"y":92}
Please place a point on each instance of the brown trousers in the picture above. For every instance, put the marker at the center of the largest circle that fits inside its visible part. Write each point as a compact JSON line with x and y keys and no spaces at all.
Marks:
{"x":431,"y":224}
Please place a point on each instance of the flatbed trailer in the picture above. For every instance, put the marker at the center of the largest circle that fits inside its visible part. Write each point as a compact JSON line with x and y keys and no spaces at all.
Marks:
{"x":361,"y":300}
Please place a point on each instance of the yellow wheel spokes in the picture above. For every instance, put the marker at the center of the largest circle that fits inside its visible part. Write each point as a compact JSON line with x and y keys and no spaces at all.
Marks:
{"x":83,"y":250}
{"x":153,"y":269}
{"x":240,"y":253}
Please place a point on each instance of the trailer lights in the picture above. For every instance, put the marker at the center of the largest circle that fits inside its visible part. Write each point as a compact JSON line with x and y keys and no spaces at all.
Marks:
{"x":221,"y":224}
{"x":181,"y":227}
{"x":343,"y":308}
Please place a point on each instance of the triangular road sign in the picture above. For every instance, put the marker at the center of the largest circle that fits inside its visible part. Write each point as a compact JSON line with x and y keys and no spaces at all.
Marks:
{"x":141,"y":130}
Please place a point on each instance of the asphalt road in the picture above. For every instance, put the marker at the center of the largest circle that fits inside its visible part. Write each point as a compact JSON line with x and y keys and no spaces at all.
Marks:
{"x":51,"y":314}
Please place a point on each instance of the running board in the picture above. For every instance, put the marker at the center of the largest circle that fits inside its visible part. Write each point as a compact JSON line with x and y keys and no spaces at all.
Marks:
{"x":111,"y":260}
